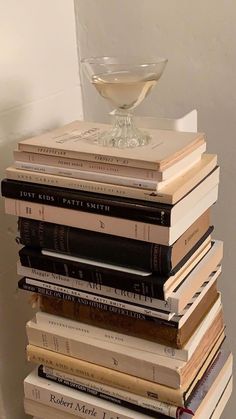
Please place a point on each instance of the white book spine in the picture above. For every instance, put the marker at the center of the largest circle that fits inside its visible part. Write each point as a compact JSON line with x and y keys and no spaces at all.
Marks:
{"x":145,"y":365}
{"x":59,"y":324}
{"x":152,"y":308}
{"x":92,"y":176}
{"x":71,"y":401}
{"x":111,"y":392}
{"x":183,"y":165}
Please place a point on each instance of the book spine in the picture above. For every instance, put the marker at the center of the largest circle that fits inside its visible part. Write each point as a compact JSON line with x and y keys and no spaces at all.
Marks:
{"x":94,"y":176}
{"x":96,"y":246}
{"x":89,"y":203}
{"x":99,"y":223}
{"x":145,"y":365}
{"x":106,"y":376}
{"x":93,"y":300}
{"x":111,"y":169}
{"x":87,"y":286}
{"x":121,"y":398}
{"x":72,"y":404}
{"x":101,"y":158}
{"x":88,"y":186}
{"x":56,"y":323}
{"x":143,"y":288}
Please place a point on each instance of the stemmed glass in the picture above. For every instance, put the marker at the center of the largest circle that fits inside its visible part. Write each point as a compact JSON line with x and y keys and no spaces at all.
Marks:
{"x":124,"y":82}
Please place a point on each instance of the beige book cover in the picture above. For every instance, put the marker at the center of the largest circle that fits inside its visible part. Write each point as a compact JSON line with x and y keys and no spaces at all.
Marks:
{"x":78,"y":140}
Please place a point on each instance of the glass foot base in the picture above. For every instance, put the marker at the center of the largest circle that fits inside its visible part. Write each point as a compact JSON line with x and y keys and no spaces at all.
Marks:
{"x":123,"y":134}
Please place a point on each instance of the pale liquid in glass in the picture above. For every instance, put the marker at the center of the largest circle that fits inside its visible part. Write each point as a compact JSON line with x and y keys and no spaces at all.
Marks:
{"x":124,"y":89}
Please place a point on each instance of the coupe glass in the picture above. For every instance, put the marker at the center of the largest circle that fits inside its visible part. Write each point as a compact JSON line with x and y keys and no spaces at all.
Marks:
{"x":124,"y":82}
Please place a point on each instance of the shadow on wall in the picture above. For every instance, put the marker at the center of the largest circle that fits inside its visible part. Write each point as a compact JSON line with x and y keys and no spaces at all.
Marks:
{"x":15,"y":309}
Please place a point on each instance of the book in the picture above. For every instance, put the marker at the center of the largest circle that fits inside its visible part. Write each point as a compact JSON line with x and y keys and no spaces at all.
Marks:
{"x":133,"y":182}
{"x":136,"y":310}
{"x":109,"y":225}
{"x":120,"y":397}
{"x":170,"y":194}
{"x":116,"y":379}
{"x":105,"y":335}
{"x":174,"y":332}
{"x":112,"y":249}
{"x":211,"y":388}
{"x":139,"y":282}
{"x":76,"y":140}
{"x":112,"y":169}
{"x":214,"y":412}
{"x":76,"y":402}
{"x":176,"y":299}
{"x":148,"y":366}
{"x":205,"y":397}
{"x":129,"y":209}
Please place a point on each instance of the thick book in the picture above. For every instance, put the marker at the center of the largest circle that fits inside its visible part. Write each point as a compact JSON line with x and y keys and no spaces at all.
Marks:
{"x":117,"y":207}
{"x":111,"y":249}
{"x":151,"y":290}
{"x":103,"y":334}
{"x":169,"y":194}
{"x":148,"y":366}
{"x":174,"y":332}
{"x":175,"y":170}
{"x":78,"y":140}
{"x":116,"y":379}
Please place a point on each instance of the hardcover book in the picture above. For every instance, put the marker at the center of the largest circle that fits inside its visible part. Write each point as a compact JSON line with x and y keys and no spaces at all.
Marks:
{"x":147,"y":290}
{"x":115,"y":250}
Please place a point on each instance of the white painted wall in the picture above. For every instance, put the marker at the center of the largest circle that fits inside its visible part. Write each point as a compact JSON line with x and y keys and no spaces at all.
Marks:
{"x":39,"y":89}
{"x":198,"y":38}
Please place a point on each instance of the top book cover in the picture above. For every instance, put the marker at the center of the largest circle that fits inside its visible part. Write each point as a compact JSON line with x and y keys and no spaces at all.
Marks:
{"x":77,"y":140}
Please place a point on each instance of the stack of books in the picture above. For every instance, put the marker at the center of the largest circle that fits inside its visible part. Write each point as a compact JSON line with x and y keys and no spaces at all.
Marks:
{"x":119,"y":259}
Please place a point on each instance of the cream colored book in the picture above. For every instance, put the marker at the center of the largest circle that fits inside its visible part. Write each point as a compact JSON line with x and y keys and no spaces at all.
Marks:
{"x":116,"y":379}
{"x":82,"y":329}
{"x":78,"y":140}
{"x":148,"y":366}
{"x":169,"y":194}
{"x":170,"y":173}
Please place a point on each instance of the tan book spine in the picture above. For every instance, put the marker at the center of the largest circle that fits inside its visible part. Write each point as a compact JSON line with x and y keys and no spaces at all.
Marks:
{"x":78,"y":140}
{"x":152,"y":367}
{"x":104,"y":375}
{"x":168,"y":195}
{"x":111,"y":169}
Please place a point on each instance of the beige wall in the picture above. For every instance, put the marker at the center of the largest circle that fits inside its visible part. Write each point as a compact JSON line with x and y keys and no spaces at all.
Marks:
{"x":198,"y":38}
{"x":39,"y":89}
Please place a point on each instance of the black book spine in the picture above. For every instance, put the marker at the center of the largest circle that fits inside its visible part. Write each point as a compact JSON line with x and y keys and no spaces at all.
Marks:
{"x":97,"y":305}
{"x":96,"y":246}
{"x":132,"y":209}
{"x":148,"y":286}
{"x":100,"y":395}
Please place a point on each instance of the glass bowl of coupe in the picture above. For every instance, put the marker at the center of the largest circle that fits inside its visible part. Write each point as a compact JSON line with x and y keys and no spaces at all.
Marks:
{"x":124,"y":82}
